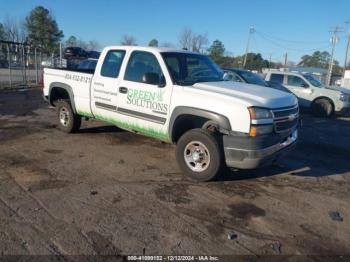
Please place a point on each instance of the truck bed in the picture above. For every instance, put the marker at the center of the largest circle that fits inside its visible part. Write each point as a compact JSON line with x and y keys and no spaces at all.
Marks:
{"x":86,"y":71}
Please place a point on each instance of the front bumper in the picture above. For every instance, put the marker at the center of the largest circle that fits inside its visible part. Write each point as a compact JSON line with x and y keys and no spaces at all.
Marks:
{"x":254,"y":154}
{"x":345,"y":111}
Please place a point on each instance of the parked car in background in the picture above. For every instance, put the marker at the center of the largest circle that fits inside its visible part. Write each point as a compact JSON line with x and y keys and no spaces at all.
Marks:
{"x":88,"y":64}
{"x":322,"y":100}
{"x":76,"y":52}
{"x":245,"y":76}
{"x":93,"y":54}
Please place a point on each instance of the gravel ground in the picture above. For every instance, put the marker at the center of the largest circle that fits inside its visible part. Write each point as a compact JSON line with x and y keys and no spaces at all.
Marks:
{"x":104,"y":191}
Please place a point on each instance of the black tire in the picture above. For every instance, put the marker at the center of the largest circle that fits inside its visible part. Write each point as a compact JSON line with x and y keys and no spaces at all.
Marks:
{"x":73,"y":121}
{"x":211,"y":148}
{"x":322,"y":107}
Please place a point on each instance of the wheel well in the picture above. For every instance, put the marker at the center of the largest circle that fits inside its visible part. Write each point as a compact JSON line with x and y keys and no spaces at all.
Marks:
{"x":184,"y":123}
{"x":58,"y":93}
{"x":326,"y":98}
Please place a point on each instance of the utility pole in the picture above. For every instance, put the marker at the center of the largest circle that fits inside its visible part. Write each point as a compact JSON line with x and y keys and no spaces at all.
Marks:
{"x":334,"y":41}
{"x":347,"y":49}
{"x":60,"y":54}
{"x":251,"y":31}
{"x":270,"y":57}
{"x":285,"y":60}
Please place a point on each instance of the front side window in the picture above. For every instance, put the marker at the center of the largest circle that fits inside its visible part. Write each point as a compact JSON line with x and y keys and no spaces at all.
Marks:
{"x":232,"y":76}
{"x":112,"y":63}
{"x":141,"y":63}
{"x":189,"y":68}
{"x":277,"y":78}
{"x":295,"y":81}
{"x":313,"y":80}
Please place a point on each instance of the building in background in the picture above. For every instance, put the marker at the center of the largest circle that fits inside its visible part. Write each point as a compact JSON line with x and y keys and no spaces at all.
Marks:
{"x":346,"y":79}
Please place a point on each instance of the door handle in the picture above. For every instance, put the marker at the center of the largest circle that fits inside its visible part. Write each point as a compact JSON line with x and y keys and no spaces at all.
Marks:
{"x":123,"y":90}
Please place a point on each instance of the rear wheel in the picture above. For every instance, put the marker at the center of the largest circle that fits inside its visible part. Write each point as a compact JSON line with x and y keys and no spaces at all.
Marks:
{"x":199,"y":155}
{"x":68,"y":121}
{"x":322,"y":107}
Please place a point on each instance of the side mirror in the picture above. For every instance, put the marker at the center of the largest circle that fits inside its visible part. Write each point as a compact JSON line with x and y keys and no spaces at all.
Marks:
{"x":226,"y":77}
{"x":162,"y":82}
{"x":305,"y":85}
{"x":151,"y":78}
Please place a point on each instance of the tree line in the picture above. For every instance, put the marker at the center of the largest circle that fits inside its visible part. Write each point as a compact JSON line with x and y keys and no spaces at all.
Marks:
{"x":40,"y":29}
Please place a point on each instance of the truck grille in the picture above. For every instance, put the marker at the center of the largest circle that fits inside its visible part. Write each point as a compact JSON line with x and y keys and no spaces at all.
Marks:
{"x":285,"y":118}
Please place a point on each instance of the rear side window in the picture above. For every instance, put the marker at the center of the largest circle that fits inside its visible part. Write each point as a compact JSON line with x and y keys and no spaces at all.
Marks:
{"x":140,"y":63}
{"x":277,"y":78}
{"x":112,"y":63}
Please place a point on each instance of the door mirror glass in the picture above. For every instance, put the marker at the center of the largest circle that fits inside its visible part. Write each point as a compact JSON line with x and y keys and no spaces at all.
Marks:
{"x":305,"y":85}
{"x":151,"y":78}
{"x":162,"y":82}
{"x":226,"y":77}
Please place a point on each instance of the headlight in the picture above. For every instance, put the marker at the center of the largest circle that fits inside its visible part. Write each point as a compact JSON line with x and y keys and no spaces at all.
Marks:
{"x":260,"y":130}
{"x":259,"y":113}
{"x":344,"y":97}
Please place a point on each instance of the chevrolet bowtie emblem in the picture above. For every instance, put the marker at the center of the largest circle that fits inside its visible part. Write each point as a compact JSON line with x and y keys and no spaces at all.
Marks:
{"x":291,"y":117}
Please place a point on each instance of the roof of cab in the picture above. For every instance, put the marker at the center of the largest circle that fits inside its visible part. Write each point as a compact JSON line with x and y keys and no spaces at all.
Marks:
{"x":150,"y":48}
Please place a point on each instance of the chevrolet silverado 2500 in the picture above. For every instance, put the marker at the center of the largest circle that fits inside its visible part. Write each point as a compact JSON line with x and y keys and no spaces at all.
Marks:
{"x":179,"y":97}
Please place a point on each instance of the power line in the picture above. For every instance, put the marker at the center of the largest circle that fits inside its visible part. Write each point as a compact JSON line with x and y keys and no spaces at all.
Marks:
{"x":290,"y":41}
{"x":289,"y":48}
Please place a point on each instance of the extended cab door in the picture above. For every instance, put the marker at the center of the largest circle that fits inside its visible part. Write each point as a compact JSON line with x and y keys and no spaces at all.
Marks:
{"x":105,"y":84}
{"x":145,"y":93}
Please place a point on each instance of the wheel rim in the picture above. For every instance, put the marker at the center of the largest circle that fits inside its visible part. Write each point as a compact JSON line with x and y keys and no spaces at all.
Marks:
{"x":64,"y":116}
{"x":197,"y":156}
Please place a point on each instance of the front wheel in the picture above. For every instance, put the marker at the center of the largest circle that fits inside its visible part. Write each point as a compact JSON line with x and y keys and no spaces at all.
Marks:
{"x":199,"y":155}
{"x":67,"y":121}
{"x":322,"y":107}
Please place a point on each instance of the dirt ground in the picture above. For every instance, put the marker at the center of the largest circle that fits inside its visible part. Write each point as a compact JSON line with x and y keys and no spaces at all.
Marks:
{"x":107,"y":191}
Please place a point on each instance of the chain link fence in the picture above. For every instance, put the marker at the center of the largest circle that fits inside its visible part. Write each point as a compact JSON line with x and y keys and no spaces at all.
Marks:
{"x":21,"y":65}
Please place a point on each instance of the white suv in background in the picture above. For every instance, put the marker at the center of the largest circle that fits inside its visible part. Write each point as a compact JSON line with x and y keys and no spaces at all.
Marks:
{"x":323,"y":100}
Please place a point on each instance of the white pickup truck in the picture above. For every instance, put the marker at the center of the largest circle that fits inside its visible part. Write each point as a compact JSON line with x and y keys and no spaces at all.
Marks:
{"x":179,"y":97}
{"x":323,"y":100}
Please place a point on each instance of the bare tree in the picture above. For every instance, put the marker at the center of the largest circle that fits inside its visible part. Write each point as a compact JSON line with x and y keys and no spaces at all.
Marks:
{"x":185,"y":38}
{"x":71,"y":41}
{"x":198,"y":42}
{"x":191,"y":41}
{"x":13,"y":30}
{"x":128,"y":40}
{"x":93,"y":45}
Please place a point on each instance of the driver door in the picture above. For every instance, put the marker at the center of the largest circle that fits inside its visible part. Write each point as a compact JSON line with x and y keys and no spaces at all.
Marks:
{"x":143,"y":104}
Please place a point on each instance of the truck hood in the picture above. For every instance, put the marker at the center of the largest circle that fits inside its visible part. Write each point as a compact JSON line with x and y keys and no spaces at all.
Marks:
{"x":248,"y":94}
{"x":339,"y":89}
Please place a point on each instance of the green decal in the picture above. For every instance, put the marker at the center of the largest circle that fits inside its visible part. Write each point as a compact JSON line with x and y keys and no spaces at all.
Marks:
{"x":147,"y":99}
{"x":130,"y":126}
{"x":134,"y":127}
{"x":160,"y":95}
{"x":87,"y":114}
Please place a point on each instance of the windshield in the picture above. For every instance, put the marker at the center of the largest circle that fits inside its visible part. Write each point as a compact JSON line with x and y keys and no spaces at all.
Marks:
{"x":252,"y":78}
{"x":313,"y":80}
{"x":188,"y":69}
